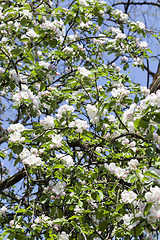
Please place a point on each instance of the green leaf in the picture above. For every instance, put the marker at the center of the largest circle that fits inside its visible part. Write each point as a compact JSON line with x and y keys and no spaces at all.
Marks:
{"x":100,"y":20}
{"x":103,"y":225}
{"x":86,"y":97}
{"x":74,"y":216}
{"x":136,"y":99}
{"x":87,"y":82}
{"x":138,"y":230}
{"x":52,"y":43}
{"x":59,"y":166}
{"x":17,"y":149}
{"x":66,"y":90}
{"x":11,"y":236}
{"x":127,"y":99}
{"x":43,"y":85}
{"x":150,"y":151}
{"x":144,"y":122}
{"x":12,"y":85}
{"x":2,"y":154}
{"x":53,"y":105}
{"x":78,"y":106}
{"x":44,"y":199}
{"x":145,"y":179}
{"x":10,"y":156}
{"x":60,"y":212}
{"x":136,"y":124}
{"x":149,"y":136}
{"x":147,"y":208}
{"x":151,"y":174}
{"x":16,"y":51}
{"x":156,"y":117}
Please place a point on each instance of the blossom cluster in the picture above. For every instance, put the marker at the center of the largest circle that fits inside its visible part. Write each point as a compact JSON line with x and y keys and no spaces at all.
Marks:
{"x":42,"y":220}
{"x":63,"y":236}
{"x":94,"y":113}
{"x":79,"y":124}
{"x":58,"y":188}
{"x":120,"y":92}
{"x":118,"y":171}
{"x":24,"y":95}
{"x":15,"y":135}
{"x":30,"y":157}
{"x":64,"y":109}
{"x":66,"y":159}
{"x":48,"y":122}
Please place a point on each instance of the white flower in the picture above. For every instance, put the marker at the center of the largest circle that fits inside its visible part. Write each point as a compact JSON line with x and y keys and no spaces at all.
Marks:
{"x":98,"y":149}
{"x":32,"y":33}
{"x":57,"y":140}
{"x":83,"y":71}
{"x":59,"y":188}
{"x":24,"y":154}
{"x":48,"y":122}
{"x":111,"y":118}
{"x":127,"y":218}
{"x":138,"y":61}
{"x":77,"y":209}
{"x":143,"y":44}
{"x":130,"y":126}
{"x":16,"y":127}
{"x":63,"y":236}
{"x":128,"y":196}
{"x":92,"y":111}
{"x":32,"y":160}
{"x":3,"y":209}
{"x":140,"y":25}
{"x":37,"y":220}
{"x":145,"y":91}
{"x":44,"y":64}
{"x":67,"y":50}
{"x":123,"y":16}
{"x":133,"y":163}
{"x":27,"y":13}
{"x":11,"y":223}
{"x":120,"y":172}
{"x":67,"y":159}
{"x":120,"y":92}
{"x":63,"y":109}
{"x":124,"y":58}
{"x":111,"y":167}
{"x":16,"y":137}
{"x":120,"y":36}
{"x":80,"y":124}
{"x":153,"y":195}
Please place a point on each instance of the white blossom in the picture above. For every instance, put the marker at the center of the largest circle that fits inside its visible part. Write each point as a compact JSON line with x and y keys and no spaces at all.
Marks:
{"x":128,"y":196}
{"x":63,"y":236}
{"x":57,"y":140}
{"x":3,"y":209}
{"x":31,"y":33}
{"x":91,"y":111}
{"x":138,"y":61}
{"x":143,"y":44}
{"x":140,"y":25}
{"x":58,"y":189}
{"x":79,"y":124}
{"x":145,"y":90}
{"x":16,"y":127}
{"x":83,"y":71}
{"x":133,"y":163}
{"x":16,"y":137}
{"x":48,"y":122}
{"x":67,"y":159}
{"x":63,"y":109}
